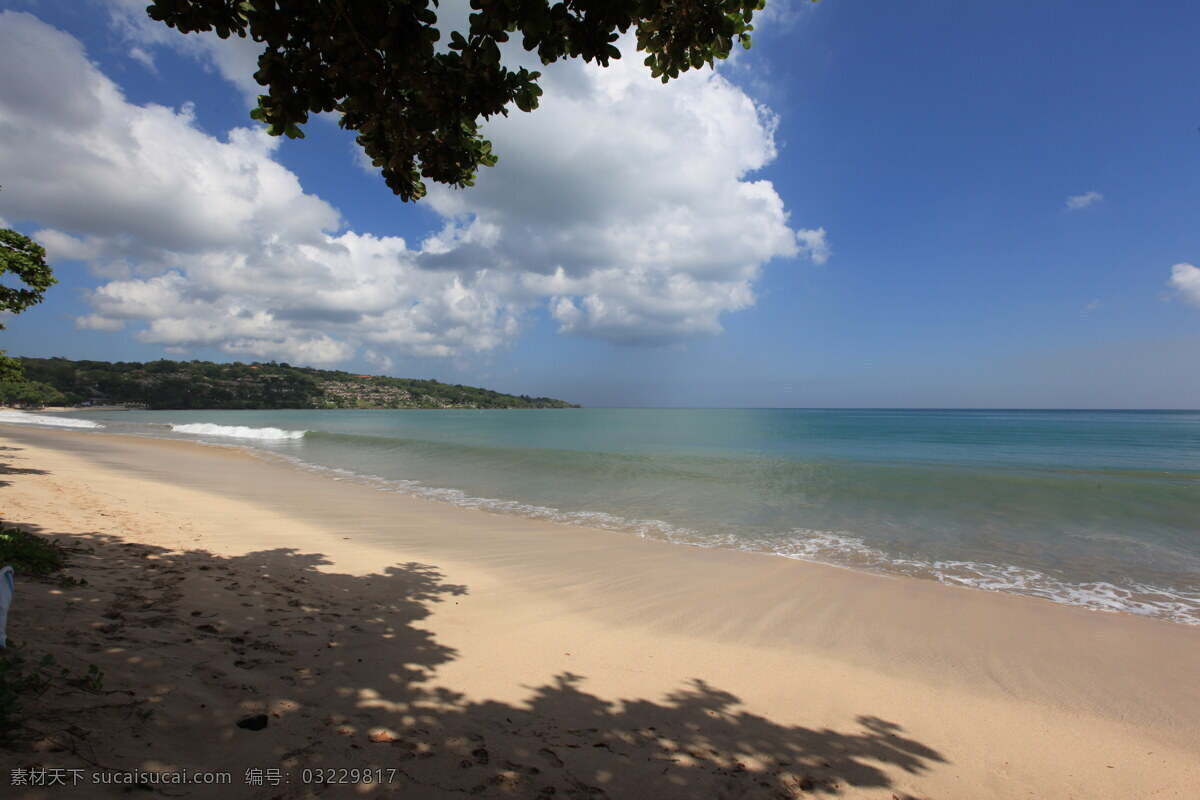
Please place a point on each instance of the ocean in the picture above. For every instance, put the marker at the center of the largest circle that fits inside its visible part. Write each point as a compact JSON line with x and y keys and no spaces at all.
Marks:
{"x":1099,"y":509}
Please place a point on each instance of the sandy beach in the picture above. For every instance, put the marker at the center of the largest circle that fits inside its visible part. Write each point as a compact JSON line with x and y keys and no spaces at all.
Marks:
{"x":460,"y":653}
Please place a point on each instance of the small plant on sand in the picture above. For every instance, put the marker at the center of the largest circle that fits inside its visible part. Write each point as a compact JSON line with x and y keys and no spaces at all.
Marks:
{"x":93,"y":681}
{"x":28,"y":553}
{"x":24,"y":677}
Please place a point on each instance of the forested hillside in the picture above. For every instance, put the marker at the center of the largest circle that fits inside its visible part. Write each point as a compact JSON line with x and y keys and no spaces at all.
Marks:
{"x":205,"y":384}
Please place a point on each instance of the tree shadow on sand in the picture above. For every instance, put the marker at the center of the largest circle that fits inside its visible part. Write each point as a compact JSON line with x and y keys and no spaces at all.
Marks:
{"x":347,"y":679}
{"x":8,"y":468}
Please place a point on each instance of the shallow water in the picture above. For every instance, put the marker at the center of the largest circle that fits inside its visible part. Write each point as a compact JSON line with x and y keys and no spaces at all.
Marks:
{"x":1092,"y":508}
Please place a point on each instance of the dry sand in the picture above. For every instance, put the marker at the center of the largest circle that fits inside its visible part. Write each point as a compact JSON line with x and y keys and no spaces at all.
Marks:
{"x":470,"y":654}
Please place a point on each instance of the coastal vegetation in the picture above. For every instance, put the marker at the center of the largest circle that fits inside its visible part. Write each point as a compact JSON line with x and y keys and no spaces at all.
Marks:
{"x":20,"y":393}
{"x":167,"y":384}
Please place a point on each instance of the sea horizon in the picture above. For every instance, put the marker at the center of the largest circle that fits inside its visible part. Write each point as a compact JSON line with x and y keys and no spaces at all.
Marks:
{"x":1151,"y":409}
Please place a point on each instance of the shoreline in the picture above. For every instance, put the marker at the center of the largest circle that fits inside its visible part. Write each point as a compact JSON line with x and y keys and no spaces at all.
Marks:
{"x":834,"y":547}
{"x":501,"y":507}
{"x":994,"y":695}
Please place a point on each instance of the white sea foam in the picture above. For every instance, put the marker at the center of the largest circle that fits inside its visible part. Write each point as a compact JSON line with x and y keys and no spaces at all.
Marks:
{"x":236,"y":431}
{"x":846,"y":550}
{"x":21,"y":418}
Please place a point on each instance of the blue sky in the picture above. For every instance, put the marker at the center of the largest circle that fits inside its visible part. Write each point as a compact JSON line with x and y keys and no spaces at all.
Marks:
{"x":928,"y":204}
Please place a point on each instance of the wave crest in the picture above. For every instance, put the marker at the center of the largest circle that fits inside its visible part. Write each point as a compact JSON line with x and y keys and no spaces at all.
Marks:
{"x":21,"y":418}
{"x":236,"y":431}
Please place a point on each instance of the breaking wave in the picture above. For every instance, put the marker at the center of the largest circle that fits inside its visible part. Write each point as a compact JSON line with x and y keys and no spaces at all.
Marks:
{"x":236,"y":431}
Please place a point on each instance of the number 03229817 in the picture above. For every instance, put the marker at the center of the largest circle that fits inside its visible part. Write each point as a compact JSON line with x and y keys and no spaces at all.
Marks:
{"x":348,"y":776}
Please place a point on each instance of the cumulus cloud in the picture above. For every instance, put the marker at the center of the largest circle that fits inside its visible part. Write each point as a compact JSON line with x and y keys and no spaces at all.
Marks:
{"x":1080,"y":201}
{"x":622,"y":207}
{"x":628,"y":203}
{"x":1185,"y":281}
{"x":77,"y":156}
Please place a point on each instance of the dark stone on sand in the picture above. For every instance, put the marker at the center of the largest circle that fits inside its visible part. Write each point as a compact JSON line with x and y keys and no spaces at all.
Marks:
{"x":254,"y":722}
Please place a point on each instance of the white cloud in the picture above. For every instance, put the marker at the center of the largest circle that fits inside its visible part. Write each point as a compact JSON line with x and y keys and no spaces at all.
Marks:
{"x":379,"y":361}
{"x":1185,"y":280}
{"x":63,"y":247}
{"x":78,"y":157}
{"x":95,"y":322}
{"x":628,"y":202}
{"x":1079,"y":201}
{"x":814,"y":244}
{"x":622,"y":206}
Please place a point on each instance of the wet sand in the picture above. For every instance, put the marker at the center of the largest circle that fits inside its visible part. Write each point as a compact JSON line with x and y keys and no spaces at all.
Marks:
{"x":470,"y":654}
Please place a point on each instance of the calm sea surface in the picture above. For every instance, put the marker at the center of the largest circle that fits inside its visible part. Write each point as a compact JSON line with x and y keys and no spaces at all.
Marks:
{"x":1093,"y":508}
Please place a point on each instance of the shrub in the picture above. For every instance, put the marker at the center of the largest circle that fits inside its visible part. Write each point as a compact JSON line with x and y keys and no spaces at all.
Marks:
{"x":27,"y":553}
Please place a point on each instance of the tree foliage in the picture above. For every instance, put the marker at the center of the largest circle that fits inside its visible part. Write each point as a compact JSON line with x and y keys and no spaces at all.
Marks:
{"x":10,"y":368}
{"x":29,"y":394}
{"x":26,"y":259}
{"x":417,"y":108}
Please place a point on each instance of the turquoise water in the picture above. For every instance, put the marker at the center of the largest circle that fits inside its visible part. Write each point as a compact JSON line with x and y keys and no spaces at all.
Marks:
{"x":1093,"y":508}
